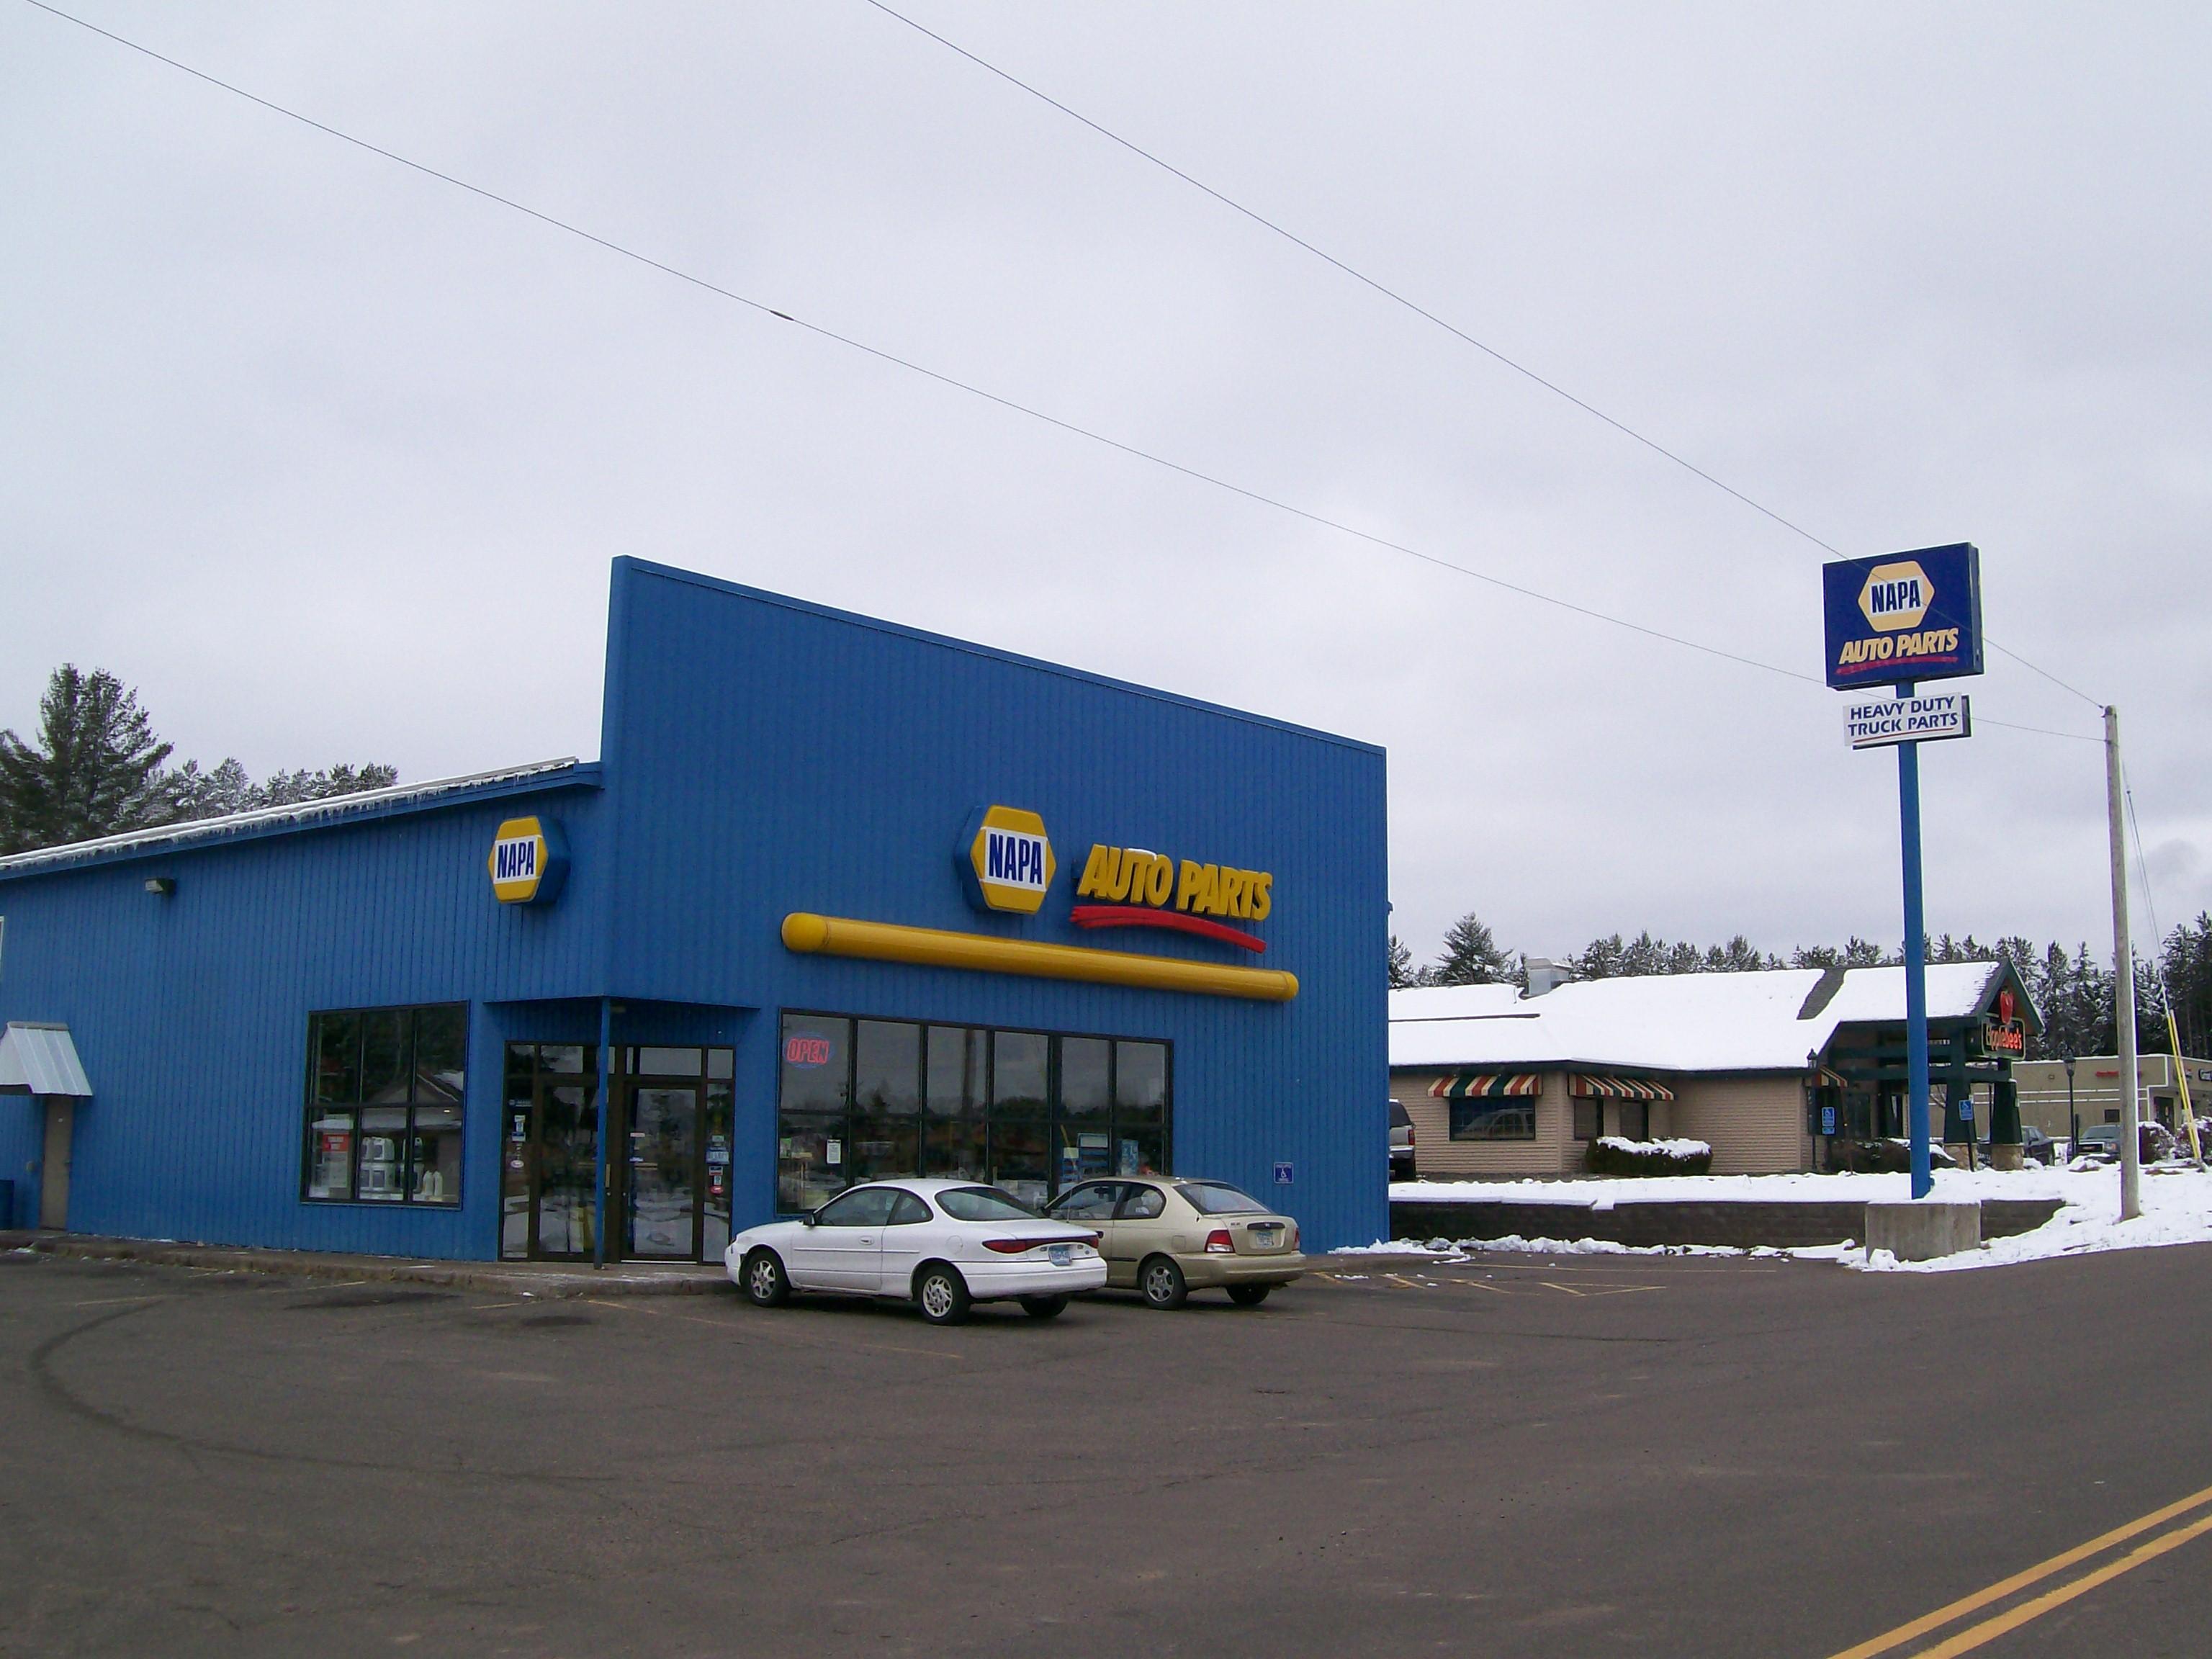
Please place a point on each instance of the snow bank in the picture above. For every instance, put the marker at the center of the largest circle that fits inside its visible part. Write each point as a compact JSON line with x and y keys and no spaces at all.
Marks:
{"x":1659,"y":1148}
{"x":2176,"y":1203}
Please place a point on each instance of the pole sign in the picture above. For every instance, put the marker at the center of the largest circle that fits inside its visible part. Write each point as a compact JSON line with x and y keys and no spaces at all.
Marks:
{"x":1902,"y":617}
{"x":1882,"y":721}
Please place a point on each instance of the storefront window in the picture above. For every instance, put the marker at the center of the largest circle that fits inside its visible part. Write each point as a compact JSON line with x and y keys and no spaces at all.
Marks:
{"x":1493,"y":1118}
{"x":384,"y":1105}
{"x":1032,"y":1112}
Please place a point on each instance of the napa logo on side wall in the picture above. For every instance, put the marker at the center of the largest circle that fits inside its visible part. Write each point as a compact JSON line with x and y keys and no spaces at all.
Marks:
{"x":1005,"y":860}
{"x":1903,"y":616}
{"x":529,"y":861}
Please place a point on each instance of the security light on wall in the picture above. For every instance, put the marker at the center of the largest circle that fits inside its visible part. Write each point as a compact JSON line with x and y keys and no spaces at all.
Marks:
{"x":160,"y":886}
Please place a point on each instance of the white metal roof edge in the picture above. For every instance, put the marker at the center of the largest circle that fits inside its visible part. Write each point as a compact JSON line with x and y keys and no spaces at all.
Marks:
{"x":301,"y":813}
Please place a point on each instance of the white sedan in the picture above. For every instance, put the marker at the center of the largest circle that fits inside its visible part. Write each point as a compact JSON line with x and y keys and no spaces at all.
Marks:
{"x":945,"y":1244}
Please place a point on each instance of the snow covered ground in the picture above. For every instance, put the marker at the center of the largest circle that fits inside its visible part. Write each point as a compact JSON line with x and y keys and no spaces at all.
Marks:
{"x":2176,"y":1205}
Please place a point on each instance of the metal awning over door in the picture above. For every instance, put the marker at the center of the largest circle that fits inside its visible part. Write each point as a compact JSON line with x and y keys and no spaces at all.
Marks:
{"x":38,"y":1058}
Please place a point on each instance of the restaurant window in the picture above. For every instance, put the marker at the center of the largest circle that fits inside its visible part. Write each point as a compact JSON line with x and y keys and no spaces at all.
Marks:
{"x":1493,"y":1118}
{"x":385,"y":1097}
{"x":1032,"y":1112}
{"x":1590,"y":1119}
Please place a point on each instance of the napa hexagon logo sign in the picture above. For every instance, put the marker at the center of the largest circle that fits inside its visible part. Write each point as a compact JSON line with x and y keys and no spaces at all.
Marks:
{"x":1903,"y":616}
{"x":1005,"y":860}
{"x":529,"y":861}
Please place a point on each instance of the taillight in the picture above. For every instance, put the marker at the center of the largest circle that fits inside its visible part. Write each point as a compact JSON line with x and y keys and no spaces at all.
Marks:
{"x":1218,"y":1243}
{"x":1294,"y":1235}
{"x":1015,"y":1246}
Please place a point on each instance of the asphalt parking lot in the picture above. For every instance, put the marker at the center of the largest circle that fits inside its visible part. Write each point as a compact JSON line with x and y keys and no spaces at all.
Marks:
{"x":1513,"y":1457}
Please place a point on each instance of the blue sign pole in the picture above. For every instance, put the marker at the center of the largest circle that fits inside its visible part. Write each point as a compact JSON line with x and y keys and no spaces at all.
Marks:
{"x":1916,"y":958}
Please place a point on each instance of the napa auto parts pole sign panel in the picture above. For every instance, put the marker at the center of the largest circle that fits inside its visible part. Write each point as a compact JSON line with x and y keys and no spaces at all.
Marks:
{"x":1903,"y":616}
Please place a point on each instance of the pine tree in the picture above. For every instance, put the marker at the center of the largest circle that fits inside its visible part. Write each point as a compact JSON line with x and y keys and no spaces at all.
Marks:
{"x":1472,"y":956}
{"x":1403,"y":973}
{"x":96,"y":770}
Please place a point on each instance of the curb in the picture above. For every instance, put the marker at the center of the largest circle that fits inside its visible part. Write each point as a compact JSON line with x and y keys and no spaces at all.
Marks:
{"x":628,"y":1278}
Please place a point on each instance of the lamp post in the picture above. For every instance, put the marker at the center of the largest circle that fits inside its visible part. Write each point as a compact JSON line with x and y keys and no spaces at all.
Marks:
{"x":2073,"y":1123}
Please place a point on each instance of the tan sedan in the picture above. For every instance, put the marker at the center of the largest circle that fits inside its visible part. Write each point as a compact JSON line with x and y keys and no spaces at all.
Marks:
{"x":1168,"y":1238}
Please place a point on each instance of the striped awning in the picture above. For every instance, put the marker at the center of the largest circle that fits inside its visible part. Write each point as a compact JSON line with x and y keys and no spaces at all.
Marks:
{"x":1588,"y":1086}
{"x":1487,"y":1085}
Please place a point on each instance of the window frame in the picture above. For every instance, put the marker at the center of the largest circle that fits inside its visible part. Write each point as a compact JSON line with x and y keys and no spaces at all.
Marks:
{"x":1463,"y":1114}
{"x":318,"y":1113}
{"x":979,"y":1118}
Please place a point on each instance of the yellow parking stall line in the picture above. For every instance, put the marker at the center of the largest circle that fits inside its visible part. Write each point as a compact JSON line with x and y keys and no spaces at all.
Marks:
{"x":1952,"y":1612}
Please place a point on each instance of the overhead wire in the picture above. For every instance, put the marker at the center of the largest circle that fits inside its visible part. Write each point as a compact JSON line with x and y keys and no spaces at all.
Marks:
{"x":1417,"y":309}
{"x":941,"y":377}
{"x":1013,"y":404}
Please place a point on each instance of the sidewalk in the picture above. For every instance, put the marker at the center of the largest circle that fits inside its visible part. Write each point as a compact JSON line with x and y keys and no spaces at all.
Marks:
{"x":533,"y":1279}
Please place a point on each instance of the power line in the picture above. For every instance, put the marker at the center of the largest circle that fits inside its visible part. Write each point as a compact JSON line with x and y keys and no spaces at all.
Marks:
{"x":939,"y":376}
{"x":1417,"y":309}
{"x":1014,"y":406}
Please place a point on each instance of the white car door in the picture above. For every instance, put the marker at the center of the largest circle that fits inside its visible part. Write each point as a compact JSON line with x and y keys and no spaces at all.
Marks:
{"x":840,"y":1251}
{"x":910,"y":1234}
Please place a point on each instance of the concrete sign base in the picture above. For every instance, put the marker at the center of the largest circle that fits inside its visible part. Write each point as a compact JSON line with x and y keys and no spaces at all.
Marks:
{"x":1921,"y":1229}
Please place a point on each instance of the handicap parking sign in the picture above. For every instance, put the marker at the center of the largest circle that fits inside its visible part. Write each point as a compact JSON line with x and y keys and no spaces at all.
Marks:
{"x":1282,"y":1174}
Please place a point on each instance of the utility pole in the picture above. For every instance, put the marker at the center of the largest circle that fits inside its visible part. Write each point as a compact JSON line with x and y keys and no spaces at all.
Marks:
{"x":2123,"y":983}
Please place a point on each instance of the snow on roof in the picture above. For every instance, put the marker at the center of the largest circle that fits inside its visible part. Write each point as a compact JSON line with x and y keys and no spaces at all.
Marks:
{"x":1663,"y":1021}
{"x":298,"y":815}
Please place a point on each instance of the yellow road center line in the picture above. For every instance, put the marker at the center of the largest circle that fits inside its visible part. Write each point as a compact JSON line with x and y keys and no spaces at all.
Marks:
{"x":2022,"y":1579}
{"x":1989,"y":1629}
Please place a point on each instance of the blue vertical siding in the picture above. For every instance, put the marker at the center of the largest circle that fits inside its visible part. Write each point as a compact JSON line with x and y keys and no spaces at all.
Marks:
{"x":761,"y":757}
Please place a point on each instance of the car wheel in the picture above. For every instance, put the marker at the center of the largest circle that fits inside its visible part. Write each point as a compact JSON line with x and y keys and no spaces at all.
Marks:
{"x":1044,"y":1307}
{"x":942,"y":1296}
{"x":1248,"y":1296}
{"x":1161,"y":1281}
{"x":767,"y":1286}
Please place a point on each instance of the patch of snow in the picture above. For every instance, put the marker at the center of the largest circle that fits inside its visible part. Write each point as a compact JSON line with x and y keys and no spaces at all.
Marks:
{"x":1661,"y":1148}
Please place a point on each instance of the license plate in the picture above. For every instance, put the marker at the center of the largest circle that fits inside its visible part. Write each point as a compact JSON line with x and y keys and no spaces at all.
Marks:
{"x":1267,"y":1238}
{"x":1063,"y":1255}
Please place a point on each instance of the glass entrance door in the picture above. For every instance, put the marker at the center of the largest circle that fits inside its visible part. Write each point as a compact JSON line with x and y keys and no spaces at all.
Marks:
{"x":549,"y":1154}
{"x":662,"y":1177}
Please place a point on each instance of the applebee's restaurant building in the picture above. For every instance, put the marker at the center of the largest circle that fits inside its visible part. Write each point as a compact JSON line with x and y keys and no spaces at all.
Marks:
{"x":838,"y":900}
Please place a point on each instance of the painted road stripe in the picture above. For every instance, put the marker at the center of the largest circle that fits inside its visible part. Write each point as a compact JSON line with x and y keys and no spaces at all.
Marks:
{"x":2042,"y":1570}
{"x":1989,"y":1629}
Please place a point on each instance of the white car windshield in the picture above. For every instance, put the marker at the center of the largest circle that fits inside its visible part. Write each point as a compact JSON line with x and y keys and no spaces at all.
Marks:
{"x":983,"y":1204}
{"x":1219,"y":1198}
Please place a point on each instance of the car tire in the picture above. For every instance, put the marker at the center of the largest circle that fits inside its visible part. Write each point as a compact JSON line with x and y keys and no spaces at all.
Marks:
{"x":1044,"y":1307}
{"x":1162,"y":1282}
{"x":1248,"y":1296}
{"x":766,"y":1283}
{"x":942,"y":1295}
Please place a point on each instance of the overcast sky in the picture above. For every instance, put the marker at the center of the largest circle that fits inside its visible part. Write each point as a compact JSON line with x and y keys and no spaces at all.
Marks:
{"x":328,"y":458}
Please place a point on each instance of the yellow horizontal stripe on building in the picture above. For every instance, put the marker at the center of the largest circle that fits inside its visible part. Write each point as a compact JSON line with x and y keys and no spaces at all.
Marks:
{"x":934,"y":947}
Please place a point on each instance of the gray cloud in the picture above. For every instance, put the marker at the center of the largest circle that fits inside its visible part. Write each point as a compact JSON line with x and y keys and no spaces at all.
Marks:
{"x":329,"y":459}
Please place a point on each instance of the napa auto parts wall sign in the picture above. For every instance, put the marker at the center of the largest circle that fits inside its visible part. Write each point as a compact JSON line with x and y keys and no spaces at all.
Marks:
{"x":1135,"y":887}
{"x":1903,"y":616}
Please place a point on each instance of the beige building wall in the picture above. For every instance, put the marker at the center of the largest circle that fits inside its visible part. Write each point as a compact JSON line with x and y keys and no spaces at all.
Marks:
{"x":2097,"y":1089}
{"x":1755,"y":1125}
{"x":1437,"y":1155}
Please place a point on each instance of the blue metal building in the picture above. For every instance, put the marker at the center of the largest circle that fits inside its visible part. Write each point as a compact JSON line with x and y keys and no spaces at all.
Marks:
{"x":839,"y":899}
